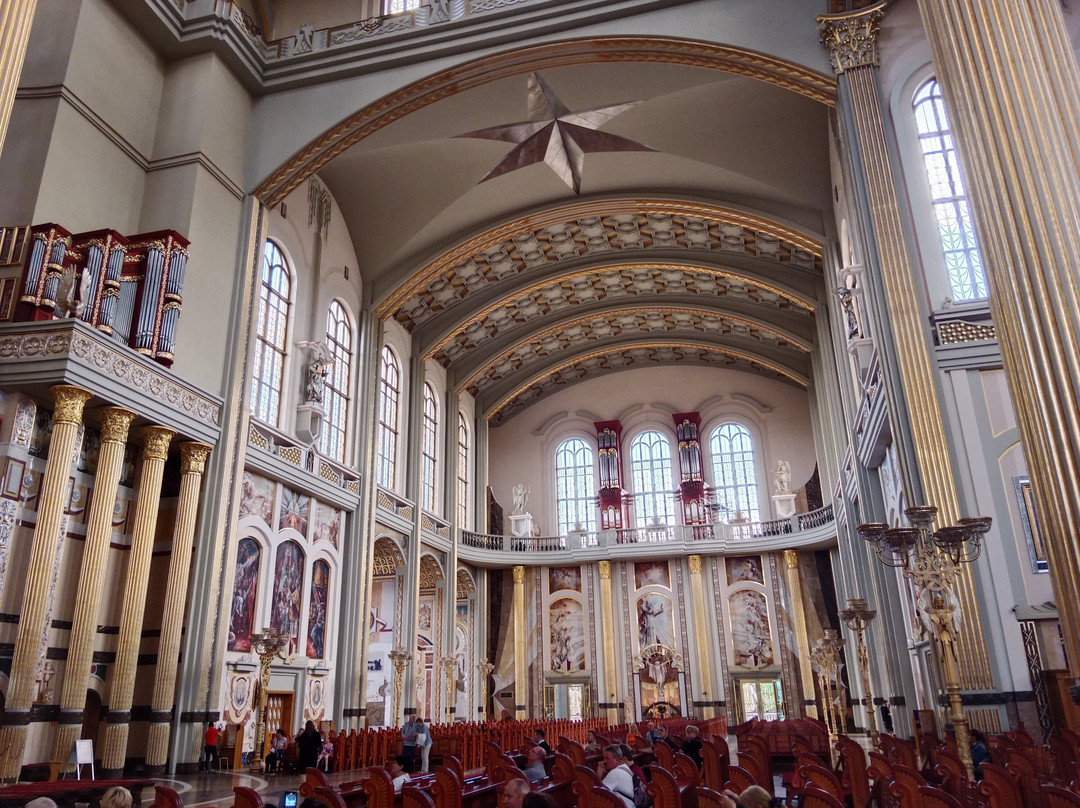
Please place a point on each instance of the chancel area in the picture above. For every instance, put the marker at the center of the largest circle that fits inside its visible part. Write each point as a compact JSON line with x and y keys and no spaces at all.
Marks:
{"x":604,"y":361}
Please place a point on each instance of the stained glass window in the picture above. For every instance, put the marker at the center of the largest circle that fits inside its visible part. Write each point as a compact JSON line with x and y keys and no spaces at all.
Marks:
{"x":734,"y":472}
{"x":389,"y":402}
{"x":962,"y":259}
{"x":650,"y":468}
{"x":268,"y":366}
{"x":336,"y":392}
{"x":575,"y":486}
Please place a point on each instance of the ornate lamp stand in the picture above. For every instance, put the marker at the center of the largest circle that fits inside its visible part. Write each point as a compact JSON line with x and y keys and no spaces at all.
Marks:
{"x":826,"y":655}
{"x":931,"y":559}
{"x":484,"y":670}
{"x":267,"y":645}
{"x":401,"y":659}
{"x":857,"y":617}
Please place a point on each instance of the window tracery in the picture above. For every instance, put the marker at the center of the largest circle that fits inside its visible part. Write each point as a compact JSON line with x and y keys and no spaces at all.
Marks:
{"x":389,"y":405}
{"x":270,"y":336}
{"x":734,"y":472}
{"x":575,"y":486}
{"x":650,"y":470}
{"x":336,"y":396}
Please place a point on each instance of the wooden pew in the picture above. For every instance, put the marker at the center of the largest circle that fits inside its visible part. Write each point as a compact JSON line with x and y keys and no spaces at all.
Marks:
{"x":999,"y":788}
{"x":716,"y":759}
{"x":246,"y":798}
{"x":853,"y":777}
{"x":165,"y":797}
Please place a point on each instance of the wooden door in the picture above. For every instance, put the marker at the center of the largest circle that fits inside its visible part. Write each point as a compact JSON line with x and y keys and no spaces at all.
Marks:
{"x":279,"y":715}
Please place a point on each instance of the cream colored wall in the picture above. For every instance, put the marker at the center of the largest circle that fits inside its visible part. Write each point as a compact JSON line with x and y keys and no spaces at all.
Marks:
{"x":522,"y":450}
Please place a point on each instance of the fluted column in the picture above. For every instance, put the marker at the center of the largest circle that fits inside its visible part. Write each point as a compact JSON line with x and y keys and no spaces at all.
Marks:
{"x":802,"y":641}
{"x":115,"y":423}
{"x":610,"y":696}
{"x":38,"y":587}
{"x":521,"y":660}
{"x":851,"y":40}
{"x":192,"y":465}
{"x":155,"y":451}
{"x":701,"y":634}
{"x":1013,"y":94}
{"x":15,"y":22}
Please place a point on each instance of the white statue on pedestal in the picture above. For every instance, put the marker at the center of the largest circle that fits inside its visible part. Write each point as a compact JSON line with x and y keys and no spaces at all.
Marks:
{"x":782,"y":477}
{"x":521,"y":497}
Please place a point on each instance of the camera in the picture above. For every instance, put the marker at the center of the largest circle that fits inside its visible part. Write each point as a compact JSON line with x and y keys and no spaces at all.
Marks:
{"x":288,"y":799}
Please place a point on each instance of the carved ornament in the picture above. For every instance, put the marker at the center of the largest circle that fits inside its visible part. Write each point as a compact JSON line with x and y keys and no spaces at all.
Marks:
{"x":519,"y":575}
{"x":115,"y":423}
{"x":791,"y":558}
{"x":156,"y":441}
{"x":852,"y":39}
{"x":193,"y":457}
{"x":695,"y":564}
{"x":69,"y":403}
{"x":605,"y":570}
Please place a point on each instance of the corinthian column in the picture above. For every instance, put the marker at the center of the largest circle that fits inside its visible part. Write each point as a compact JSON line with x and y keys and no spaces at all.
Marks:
{"x":610,"y":696}
{"x":701,"y":634}
{"x":155,"y":450}
{"x":38,"y":587}
{"x":115,"y":423}
{"x":192,"y":465}
{"x":903,"y":339}
{"x":14,"y":35}
{"x":521,"y":667}
{"x":1013,"y":93}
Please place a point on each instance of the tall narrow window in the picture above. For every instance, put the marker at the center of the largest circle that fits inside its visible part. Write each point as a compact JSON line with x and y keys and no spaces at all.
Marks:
{"x":962,"y":259}
{"x":389,"y":400}
{"x":430,"y":457}
{"x":734,"y":472}
{"x":336,"y":392}
{"x":575,"y":486}
{"x":268,"y":367}
{"x":650,"y":468}
{"x":462,"y":472}
{"x":397,"y":6}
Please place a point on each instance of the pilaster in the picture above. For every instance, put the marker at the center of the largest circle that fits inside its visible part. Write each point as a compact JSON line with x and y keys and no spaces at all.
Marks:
{"x":15,"y":25}
{"x":38,"y":592}
{"x":610,"y":696}
{"x":521,"y":649}
{"x":701,"y":636}
{"x":155,"y":451}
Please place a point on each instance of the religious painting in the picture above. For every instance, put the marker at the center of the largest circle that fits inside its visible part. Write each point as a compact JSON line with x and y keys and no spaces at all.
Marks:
{"x":566,"y":617}
{"x":256,"y":497}
{"x":288,"y":593}
{"x":424,"y":620}
{"x":240,"y":690}
{"x":655,"y":624}
{"x":648,"y":573}
{"x":316,"y":703}
{"x":562,"y":579}
{"x":744,"y":568}
{"x":295,"y":511}
{"x":245,"y":587}
{"x":750,"y":635}
{"x":327,"y":523}
{"x":320,"y":587}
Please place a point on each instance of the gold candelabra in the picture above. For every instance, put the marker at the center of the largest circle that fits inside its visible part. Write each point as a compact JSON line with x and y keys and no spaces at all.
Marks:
{"x":400,"y":659}
{"x":931,"y":560}
{"x":484,"y":670}
{"x":266,"y":645}
{"x":857,"y":618}
{"x":826,"y":655}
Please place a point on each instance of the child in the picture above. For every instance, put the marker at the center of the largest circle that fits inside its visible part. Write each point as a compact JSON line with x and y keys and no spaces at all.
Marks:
{"x":325,"y":753}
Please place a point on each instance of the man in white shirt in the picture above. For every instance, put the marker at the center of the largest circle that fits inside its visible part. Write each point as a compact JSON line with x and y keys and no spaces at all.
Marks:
{"x":398,"y":775}
{"x":618,"y":777}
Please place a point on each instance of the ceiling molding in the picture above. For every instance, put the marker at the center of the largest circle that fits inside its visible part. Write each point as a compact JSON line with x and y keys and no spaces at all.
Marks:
{"x":521,"y":61}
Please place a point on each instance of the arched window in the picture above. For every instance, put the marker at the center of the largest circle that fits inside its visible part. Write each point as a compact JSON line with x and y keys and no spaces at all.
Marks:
{"x":462,"y":472}
{"x":575,"y":486}
{"x":336,"y":393}
{"x":397,"y":6}
{"x":430,"y":444}
{"x":734,"y":472}
{"x":650,"y":469}
{"x":268,"y":367}
{"x":962,"y":259}
{"x":389,"y":401}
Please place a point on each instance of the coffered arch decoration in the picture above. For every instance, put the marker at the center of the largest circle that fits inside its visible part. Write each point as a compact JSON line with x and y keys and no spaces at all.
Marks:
{"x":430,"y":572}
{"x":629,"y":228}
{"x":387,"y":557}
{"x":619,"y":358}
{"x":466,"y":585}
{"x":522,"y":61}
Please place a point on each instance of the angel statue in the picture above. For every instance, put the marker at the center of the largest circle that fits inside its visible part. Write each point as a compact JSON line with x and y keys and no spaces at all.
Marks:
{"x":782,"y":477}
{"x":318,"y":368}
{"x":521,"y":497}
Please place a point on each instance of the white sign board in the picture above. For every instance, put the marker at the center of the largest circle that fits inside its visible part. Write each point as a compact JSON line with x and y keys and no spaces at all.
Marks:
{"x":84,"y":756}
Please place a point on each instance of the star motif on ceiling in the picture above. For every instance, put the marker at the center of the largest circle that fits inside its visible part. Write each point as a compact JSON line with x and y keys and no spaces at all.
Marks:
{"x":554,"y":135}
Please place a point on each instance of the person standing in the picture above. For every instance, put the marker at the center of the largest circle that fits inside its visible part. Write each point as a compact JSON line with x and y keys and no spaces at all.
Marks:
{"x":424,"y":742}
{"x":308,"y":744}
{"x":408,"y":741}
{"x":210,"y":751}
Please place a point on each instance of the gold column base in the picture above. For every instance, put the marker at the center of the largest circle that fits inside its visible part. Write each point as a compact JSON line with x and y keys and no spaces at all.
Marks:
{"x":114,"y":747}
{"x":63,"y":743}
{"x":157,"y":745}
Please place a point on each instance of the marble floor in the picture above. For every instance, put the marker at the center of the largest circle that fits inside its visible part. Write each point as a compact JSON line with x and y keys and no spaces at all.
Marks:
{"x":215,"y":789}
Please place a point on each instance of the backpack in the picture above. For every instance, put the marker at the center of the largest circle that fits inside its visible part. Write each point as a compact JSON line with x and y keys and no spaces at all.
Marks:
{"x":641,"y":796}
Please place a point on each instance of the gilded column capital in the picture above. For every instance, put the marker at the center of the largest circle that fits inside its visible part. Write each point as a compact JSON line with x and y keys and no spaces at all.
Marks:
{"x":605,"y":570}
{"x":519,"y":575}
{"x":852,"y":39}
{"x":69,"y":402}
{"x":695,"y":564}
{"x":156,"y":441}
{"x":193,"y":457}
{"x":791,"y":558}
{"x":115,"y":423}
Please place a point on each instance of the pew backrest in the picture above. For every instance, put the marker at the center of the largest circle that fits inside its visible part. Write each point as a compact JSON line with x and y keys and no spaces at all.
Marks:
{"x":413,"y":797}
{"x":244,"y":797}
{"x":447,"y":787}
{"x":165,"y":797}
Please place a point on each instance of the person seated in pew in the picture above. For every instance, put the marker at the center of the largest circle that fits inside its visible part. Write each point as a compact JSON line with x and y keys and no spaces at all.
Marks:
{"x":591,"y":744}
{"x":628,"y":756}
{"x":538,"y":799}
{"x":539,"y":737}
{"x":664,"y":737}
{"x":278,"y":744}
{"x":616,"y":774}
{"x":692,"y":745}
{"x":116,"y":797}
{"x":651,"y":734}
{"x":515,"y":791}
{"x":755,"y":797}
{"x":396,"y":769}
{"x":535,"y":771}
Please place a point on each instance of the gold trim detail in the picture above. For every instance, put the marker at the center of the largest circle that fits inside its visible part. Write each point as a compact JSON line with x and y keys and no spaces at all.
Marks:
{"x":519,"y":575}
{"x":791,"y":558}
{"x":156,"y":440}
{"x":851,"y":39}
{"x":695,"y":564}
{"x":193,"y":457}
{"x":69,"y":403}
{"x":604,"y":567}
{"x":522,"y":61}
{"x":115,"y":424}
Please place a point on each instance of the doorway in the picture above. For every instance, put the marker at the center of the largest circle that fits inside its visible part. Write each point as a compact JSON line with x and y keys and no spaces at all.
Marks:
{"x":760,"y":698}
{"x":279,"y":713}
{"x":569,"y":700}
